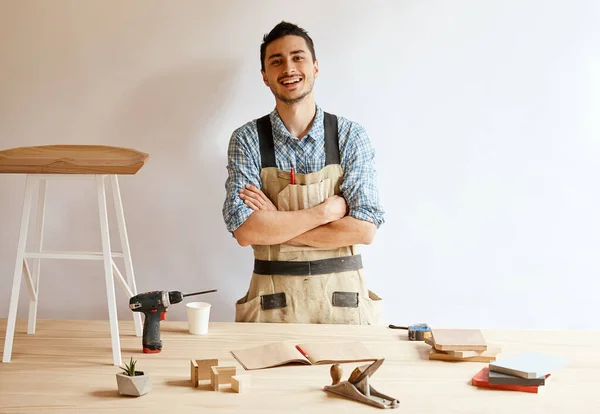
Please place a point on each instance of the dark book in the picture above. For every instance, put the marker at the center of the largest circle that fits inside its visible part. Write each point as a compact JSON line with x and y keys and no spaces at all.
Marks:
{"x":500,"y":378}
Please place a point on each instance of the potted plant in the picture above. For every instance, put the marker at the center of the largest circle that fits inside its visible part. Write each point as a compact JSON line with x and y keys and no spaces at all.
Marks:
{"x":132,"y":382}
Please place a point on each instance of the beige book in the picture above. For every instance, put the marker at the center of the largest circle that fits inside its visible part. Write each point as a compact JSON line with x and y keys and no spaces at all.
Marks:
{"x":314,"y":353}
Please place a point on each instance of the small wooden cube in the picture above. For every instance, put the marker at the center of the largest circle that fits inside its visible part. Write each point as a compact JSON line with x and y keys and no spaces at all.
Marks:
{"x":200,"y":369}
{"x":194,"y":372}
{"x":240,"y":383}
{"x":221,"y":375}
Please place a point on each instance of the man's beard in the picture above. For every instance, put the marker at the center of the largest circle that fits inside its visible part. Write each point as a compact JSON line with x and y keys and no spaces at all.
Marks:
{"x":292,"y":101}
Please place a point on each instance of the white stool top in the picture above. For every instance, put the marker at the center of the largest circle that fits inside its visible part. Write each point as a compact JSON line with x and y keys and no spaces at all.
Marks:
{"x":72,"y":159}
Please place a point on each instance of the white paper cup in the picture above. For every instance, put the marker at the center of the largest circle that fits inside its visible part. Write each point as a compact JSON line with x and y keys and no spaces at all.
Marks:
{"x":198,"y":314}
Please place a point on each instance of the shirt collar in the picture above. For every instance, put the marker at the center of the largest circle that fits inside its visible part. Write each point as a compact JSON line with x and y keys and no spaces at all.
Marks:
{"x":281,"y":133}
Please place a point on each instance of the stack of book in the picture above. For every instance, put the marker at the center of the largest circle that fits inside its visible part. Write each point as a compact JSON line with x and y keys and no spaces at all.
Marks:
{"x":460,"y":345}
{"x":525,"y":372}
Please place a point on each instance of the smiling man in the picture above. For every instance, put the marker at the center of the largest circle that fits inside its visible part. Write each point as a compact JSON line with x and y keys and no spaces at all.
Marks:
{"x":302,"y":191}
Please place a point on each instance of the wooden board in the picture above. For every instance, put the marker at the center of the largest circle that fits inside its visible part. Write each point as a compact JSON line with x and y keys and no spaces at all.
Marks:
{"x":464,"y":354}
{"x":461,"y":354}
{"x":491,"y":350}
{"x":443,"y":356}
{"x":458,"y":340}
{"x":71,"y":159}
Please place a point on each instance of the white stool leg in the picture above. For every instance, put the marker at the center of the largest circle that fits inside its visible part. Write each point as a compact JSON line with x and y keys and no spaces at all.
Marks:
{"x":110,"y":283}
{"x":39,"y":236}
{"x":137,"y":317}
{"x":14,"y":297}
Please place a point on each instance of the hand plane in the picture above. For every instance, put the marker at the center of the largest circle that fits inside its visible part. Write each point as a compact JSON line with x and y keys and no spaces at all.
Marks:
{"x":358,"y":388}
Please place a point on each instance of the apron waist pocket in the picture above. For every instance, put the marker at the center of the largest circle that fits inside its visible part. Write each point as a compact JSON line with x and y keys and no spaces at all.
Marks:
{"x":273,"y":301}
{"x":306,"y":268}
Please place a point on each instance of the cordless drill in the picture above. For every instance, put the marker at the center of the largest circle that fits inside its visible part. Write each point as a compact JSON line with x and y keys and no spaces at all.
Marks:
{"x":154,"y":307}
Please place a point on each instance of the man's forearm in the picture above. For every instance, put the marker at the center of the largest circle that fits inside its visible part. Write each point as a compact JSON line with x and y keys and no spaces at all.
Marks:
{"x":275,"y":227}
{"x":344,"y":232}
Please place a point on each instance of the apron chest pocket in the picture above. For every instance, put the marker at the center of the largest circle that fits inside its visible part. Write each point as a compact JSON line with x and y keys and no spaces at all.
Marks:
{"x":300,"y":197}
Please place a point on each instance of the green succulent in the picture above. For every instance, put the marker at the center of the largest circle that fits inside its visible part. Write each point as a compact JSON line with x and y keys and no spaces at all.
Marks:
{"x":129,"y":368}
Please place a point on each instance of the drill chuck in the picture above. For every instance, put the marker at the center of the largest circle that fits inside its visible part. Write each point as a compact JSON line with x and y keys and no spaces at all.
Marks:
{"x":175,"y":297}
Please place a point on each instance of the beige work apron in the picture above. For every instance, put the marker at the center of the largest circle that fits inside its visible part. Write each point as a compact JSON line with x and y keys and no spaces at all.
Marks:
{"x":335,"y":298}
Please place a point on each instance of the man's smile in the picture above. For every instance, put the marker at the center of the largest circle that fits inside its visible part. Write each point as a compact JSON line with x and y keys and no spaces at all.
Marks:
{"x":291,"y":82}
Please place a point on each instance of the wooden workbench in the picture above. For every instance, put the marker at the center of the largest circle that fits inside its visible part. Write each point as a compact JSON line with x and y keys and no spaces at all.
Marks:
{"x":67,"y":367}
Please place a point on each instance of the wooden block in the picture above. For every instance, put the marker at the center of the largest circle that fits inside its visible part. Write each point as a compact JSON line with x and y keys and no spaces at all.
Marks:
{"x":458,"y":340}
{"x":194,"y":372}
{"x":443,"y":356}
{"x":240,"y":383}
{"x":204,"y":368}
{"x":200,"y":369}
{"x":221,"y":375}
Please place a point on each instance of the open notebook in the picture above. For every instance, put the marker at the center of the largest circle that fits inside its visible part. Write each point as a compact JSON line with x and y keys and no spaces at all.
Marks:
{"x":282,"y":353}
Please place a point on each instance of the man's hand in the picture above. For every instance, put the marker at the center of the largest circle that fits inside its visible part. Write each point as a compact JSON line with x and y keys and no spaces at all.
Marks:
{"x":334,"y":208}
{"x":341,"y":230}
{"x":256,"y":199}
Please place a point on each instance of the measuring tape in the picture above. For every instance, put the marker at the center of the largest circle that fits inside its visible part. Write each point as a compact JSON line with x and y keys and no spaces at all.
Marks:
{"x":417,"y":332}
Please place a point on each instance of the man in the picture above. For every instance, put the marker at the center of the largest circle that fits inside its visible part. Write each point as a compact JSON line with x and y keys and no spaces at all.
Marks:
{"x":302,"y":192}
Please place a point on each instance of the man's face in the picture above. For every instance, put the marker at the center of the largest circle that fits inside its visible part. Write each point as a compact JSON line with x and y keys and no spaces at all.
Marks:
{"x":290,"y":71}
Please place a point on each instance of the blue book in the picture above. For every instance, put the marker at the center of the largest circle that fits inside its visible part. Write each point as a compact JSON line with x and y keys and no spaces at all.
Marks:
{"x":528,"y":365}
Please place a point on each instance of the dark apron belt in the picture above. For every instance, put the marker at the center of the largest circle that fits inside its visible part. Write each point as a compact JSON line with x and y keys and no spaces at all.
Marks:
{"x":312,"y":267}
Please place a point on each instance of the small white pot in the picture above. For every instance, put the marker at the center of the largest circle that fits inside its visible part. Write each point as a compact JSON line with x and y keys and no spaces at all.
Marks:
{"x":137,"y":385}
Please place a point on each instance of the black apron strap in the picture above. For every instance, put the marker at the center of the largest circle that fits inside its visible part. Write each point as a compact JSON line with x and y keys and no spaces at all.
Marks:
{"x":267,"y":145}
{"x":332,"y":149}
{"x":265,"y":141}
{"x":306,"y":268}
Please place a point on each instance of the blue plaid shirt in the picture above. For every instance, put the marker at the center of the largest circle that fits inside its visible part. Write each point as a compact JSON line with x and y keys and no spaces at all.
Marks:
{"x":359,"y":183}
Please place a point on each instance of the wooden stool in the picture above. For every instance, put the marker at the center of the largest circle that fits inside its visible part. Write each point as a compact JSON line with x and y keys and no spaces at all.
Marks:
{"x":95,"y":162}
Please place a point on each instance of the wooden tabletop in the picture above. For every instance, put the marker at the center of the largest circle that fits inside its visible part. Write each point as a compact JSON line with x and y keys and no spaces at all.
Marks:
{"x":71,"y":159}
{"x":66,"y":366}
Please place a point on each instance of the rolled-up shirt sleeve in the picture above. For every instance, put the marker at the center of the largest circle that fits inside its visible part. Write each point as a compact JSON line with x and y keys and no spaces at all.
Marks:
{"x":242,"y":169}
{"x":359,"y":186}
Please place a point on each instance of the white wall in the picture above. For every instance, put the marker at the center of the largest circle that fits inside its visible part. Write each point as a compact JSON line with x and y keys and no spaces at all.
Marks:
{"x":484,"y":116}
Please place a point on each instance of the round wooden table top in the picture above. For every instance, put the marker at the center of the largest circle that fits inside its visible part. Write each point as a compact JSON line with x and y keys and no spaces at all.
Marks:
{"x":71,"y":159}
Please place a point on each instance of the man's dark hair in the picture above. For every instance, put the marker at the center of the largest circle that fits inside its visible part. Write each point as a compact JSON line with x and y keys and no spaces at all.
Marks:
{"x":285,"y":29}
